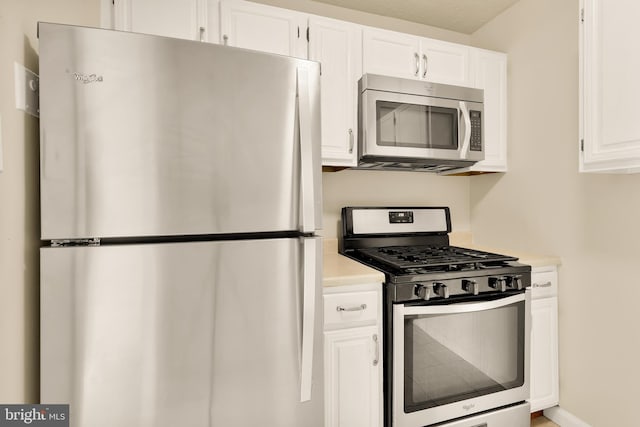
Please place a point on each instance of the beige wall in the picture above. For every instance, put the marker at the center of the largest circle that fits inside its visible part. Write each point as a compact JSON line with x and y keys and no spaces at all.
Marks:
{"x":544,"y":205}
{"x":19,"y":209}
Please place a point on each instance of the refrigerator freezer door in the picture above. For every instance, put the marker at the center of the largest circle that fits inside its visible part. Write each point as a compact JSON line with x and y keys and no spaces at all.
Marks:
{"x":184,"y":334}
{"x":151,"y":136}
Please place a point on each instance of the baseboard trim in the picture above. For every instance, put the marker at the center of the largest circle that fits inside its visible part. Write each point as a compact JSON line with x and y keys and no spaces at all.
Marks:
{"x":564,"y":418}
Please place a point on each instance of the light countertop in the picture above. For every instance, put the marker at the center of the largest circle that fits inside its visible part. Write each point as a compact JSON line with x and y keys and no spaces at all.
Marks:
{"x":339,"y":270}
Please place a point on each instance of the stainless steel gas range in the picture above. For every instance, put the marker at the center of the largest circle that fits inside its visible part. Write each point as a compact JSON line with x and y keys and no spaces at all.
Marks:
{"x":456,"y":320}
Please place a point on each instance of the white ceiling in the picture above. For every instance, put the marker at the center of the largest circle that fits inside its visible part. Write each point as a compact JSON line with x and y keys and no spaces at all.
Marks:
{"x":463,"y":16}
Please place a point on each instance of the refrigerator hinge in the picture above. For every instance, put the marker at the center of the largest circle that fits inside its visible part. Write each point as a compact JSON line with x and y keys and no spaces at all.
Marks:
{"x":57,"y":243}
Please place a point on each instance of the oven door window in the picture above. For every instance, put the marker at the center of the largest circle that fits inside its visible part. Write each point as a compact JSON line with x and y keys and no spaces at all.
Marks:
{"x":421,"y":126}
{"x":453,"y":357}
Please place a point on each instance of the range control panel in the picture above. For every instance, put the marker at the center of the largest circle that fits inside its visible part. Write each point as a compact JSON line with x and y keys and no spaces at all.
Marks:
{"x":476,"y":130}
{"x":434,"y":289}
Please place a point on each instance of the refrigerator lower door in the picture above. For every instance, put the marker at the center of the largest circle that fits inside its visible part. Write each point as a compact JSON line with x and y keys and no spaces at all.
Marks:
{"x":199,"y":334}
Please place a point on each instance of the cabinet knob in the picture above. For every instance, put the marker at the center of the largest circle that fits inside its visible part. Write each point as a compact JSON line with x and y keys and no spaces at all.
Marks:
{"x":225,"y":39}
{"x":202,"y":30}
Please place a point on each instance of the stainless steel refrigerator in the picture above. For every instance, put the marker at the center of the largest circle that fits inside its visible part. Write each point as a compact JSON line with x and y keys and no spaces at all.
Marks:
{"x":180,"y":198}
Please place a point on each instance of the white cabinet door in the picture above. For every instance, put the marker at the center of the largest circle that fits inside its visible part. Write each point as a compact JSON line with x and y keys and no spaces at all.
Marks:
{"x":610,"y":89}
{"x":264,"y":28}
{"x":544,"y":353}
{"x":491,"y":75}
{"x":444,"y":62}
{"x":403,"y":55}
{"x":390,"y":53}
{"x":352,"y":373}
{"x":187,"y":19}
{"x":337,"y":45}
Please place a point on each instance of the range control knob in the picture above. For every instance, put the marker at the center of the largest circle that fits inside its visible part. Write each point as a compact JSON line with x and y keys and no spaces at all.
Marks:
{"x":498,"y":283}
{"x":516,"y":282}
{"x":423,"y":292}
{"x":470,"y":286}
{"x":441,"y":289}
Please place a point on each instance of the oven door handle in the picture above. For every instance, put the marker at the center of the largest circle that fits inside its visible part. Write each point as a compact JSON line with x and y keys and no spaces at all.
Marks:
{"x":465,"y":307}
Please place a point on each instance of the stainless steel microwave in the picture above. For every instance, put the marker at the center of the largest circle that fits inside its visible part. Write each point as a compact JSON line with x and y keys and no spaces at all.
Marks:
{"x":418,"y":125}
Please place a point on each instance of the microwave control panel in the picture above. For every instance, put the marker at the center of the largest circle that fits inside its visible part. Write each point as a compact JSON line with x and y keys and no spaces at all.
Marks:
{"x":476,"y":130}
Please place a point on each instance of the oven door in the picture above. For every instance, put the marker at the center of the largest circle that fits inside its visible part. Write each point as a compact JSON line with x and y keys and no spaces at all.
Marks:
{"x":398,"y":125}
{"x":454,"y":360}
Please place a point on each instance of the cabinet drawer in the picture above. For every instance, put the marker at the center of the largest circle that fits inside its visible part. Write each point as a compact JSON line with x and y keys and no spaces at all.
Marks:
{"x":544,"y":283}
{"x":345,"y":309}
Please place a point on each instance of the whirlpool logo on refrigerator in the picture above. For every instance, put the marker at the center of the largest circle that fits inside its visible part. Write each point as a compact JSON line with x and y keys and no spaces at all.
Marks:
{"x":34,"y":415}
{"x":87,"y":78}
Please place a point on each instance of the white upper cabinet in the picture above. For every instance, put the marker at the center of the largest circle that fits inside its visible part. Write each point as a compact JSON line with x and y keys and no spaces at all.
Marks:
{"x":346,"y":51}
{"x":491,"y":75}
{"x":402,"y":55}
{"x":609,"y":86}
{"x":186,"y":19}
{"x":337,"y":45}
{"x":390,"y":54}
{"x":445,"y":62}
{"x":264,"y":28}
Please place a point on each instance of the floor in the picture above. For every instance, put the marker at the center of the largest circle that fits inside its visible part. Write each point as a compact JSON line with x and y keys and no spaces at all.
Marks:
{"x":542,"y":422}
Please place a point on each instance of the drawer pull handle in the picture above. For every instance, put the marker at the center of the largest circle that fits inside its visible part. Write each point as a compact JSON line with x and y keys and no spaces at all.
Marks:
{"x":360,"y":307}
{"x":542,"y":285}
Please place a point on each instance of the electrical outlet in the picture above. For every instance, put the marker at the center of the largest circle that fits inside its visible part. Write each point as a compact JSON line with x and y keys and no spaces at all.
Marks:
{"x":27,"y":90}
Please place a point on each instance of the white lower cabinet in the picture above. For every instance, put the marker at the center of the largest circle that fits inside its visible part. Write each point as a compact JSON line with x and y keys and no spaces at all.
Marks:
{"x":544,"y":338}
{"x":353,"y":356}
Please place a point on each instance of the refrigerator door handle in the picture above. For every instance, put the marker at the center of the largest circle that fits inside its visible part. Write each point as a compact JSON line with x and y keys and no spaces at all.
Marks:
{"x":307,"y":195}
{"x":309,"y":277}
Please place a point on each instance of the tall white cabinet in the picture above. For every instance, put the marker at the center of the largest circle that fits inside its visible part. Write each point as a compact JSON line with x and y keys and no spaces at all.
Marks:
{"x":337,"y":45}
{"x":609,"y":86}
{"x":544,"y":338}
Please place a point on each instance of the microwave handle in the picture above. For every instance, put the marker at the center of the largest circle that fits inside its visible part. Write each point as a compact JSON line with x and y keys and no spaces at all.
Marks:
{"x":464,"y":113}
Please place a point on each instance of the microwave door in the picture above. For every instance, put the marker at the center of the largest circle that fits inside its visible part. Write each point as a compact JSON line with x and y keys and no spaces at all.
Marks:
{"x":399,"y":125}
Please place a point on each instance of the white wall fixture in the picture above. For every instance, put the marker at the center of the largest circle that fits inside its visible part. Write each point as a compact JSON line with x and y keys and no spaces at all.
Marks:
{"x":27,"y":90}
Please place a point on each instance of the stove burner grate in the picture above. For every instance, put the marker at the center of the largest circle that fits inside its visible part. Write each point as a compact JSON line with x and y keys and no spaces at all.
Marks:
{"x":434,"y":258}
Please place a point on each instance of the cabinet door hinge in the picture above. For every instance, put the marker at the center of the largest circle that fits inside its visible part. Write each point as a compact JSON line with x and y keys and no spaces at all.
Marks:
{"x":582,"y":145}
{"x":582,"y":15}
{"x":298,"y":32}
{"x":307,"y":34}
